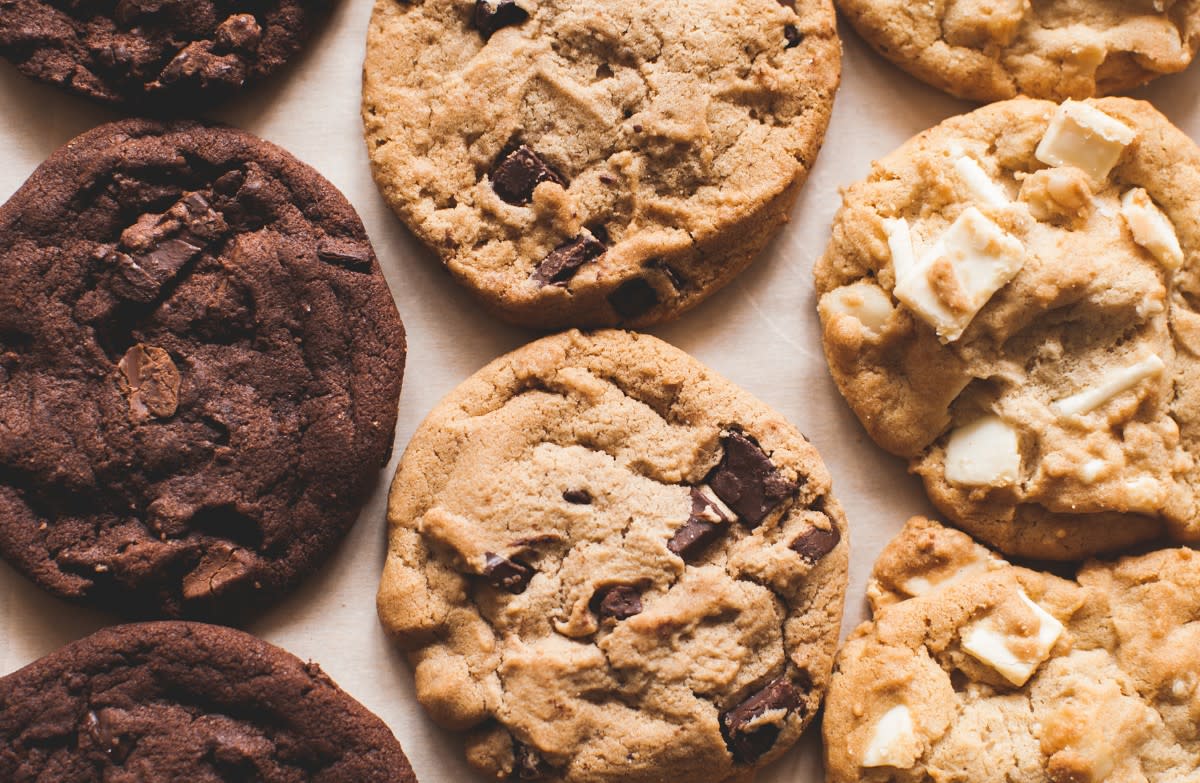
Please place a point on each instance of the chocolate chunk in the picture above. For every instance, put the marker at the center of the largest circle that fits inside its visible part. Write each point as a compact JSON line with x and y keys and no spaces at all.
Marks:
{"x":157,"y":247}
{"x":793,"y":36}
{"x":670,"y":272}
{"x":240,"y":31}
{"x":578,"y":496}
{"x":491,"y":15}
{"x":815,"y":543}
{"x":617,"y":602}
{"x":690,"y":541}
{"x":707,"y":507}
{"x":749,"y":738}
{"x":564,"y":261}
{"x":151,"y":382}
{"x":747,"y":480}
{"x":102,"y":729}
{"x":223,"y":566}
{"x":528,"y":764}
{"x":633,"y":298}
{"x":509,"y":575}
{"x":518,"y":171}
{"x":344,"y":252}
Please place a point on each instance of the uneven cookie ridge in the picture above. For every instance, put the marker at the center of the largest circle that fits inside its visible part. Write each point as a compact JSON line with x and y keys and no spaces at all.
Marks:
{"x":1008,"y":302}
{"x":154,"y":53}
{"x":990,"y":51}
{"x":975,"y":669}
{"x":607,"y":563}
{"x":199,"y":370}
{"x":187,"y":701}
{"x":590,"y":164}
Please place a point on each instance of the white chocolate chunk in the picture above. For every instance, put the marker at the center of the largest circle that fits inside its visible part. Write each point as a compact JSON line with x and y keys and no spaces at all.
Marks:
{"x":894,"y":742}
{"x":1081,"y":135}
{"x":956,"y":277}
{"x":984,"y":453}
{"x":982,"y":186}
{"x":864,"y":301}
{"x":1113,"y":383}
{"x":1090,"y":470}
{"x":919,"y":585}
{"x":1151,"y":228}
{"x":991,"y":647}
{"x":900,"y":243}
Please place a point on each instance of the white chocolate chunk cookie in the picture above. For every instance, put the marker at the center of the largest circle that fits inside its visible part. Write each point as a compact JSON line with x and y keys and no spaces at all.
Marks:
{"x":583,"y":163}
{"x":989,"y":50}
{"x":610,"y":564}
{"x":1011,"y":301}
{"x":1007,"y":675}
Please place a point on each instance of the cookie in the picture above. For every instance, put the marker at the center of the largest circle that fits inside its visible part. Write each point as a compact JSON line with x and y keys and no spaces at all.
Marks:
{"x":154,"y":53}
{"x":187,"y":701}
{"x":1010,"y":302}
{"x":200,"y":363}
{"x":990,"y":50}
{"x":577,"y":163}
{"x":608,"y":563}
{"x":973,"y":669}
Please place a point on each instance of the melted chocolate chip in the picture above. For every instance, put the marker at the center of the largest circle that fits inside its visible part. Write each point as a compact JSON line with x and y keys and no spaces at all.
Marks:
{"x":579,"y":497}
{"x":518,"y":171}
{"x":815,"y":543}
{"x":491,"y":15}
{"x":670,"y":272}
{"x":617,"y":602}
{"x":749,"y":742}
{"x":793,"y":36}
{"x":566,"y":259}
{"x":528,"y":764}
{"x":633,"y":298}
{"x":509,"y":575}
{"x":747,"y":480}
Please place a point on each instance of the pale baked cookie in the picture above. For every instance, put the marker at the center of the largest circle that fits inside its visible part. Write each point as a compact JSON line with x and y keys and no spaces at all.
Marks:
{"x":1010,"y":302}
{"x":974,"y":670}
{"x":989,"y":50}
{"x":586,"y":164}
{"x":608,"y":563}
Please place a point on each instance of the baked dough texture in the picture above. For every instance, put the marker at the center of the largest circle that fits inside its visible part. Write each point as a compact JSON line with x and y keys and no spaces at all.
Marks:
{"x":1037,"y":360}
{"x":990,"y":50}
{"x":1110,"y":660}
{"x":607,"y":563}
{"x":591,"y":164}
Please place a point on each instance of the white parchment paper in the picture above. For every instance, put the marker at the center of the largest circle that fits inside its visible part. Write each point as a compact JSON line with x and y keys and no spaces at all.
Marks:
{"x":761,"y":332}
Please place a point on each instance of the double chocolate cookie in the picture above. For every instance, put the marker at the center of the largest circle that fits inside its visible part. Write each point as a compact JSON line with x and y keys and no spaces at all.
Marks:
{"x":200,"y":363}
{"x":576,"y":163}
{"x":154,"y":52}
{"x":177,"y":701}
{"x":611,"y":564}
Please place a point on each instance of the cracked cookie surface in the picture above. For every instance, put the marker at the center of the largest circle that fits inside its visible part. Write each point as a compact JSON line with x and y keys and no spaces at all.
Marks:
{"x":154,"y":53}
{"x":186,"y":701}
{"x":989,"y":50}
{"x":607,"y":563}
{"x":591,"y":164}
{"x":1009,"y":301}
{"x":200,"y":363}
{"x":976,"y":670}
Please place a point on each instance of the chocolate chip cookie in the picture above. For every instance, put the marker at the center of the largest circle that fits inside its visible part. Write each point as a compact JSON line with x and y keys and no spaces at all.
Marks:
{"x":989,"y":50}
{"x":976,"y":670}
{"x":608,"y":563}
{"x":154,"y":53}
{"x":175,"y":701}
{"x":200,"y":363}
{"x":576,"y":163}
{"x":1010,"y":302}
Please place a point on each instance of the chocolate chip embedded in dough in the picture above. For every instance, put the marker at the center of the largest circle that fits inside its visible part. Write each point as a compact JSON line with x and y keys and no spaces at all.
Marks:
{"x":509,"y":575}
{"x":491,"y":15}
{"x":815,"y":543}
{"x":633,"y":298}
{"x":528,"y":764}
{"x":793,"y":36}
{"x":565,"y":260}
{"x":240,"y":31}
{"x":706,"y":523}
{"x":747,"y":732}
{"x":344,"y":252}
{"x":518,"y":172}
{"x":151,"y":382}
{"x":747,"y":480}
{"x":579,"y":497}
{"x":617,"y":602}
{"x":223,"y":565}
{"x":102,"y":729}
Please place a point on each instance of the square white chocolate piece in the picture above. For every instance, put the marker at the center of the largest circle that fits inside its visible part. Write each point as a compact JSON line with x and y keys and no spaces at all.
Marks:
{"x":992,"y":648}
{"x":1082,"y":136}
{"x":984,"y":453}
{"x":983,"y":188}
{"x":894,"y":742}
{"x":863,"y":301}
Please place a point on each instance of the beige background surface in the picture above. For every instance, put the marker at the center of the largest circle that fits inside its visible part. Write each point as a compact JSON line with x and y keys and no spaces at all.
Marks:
{"x":761,"y":331}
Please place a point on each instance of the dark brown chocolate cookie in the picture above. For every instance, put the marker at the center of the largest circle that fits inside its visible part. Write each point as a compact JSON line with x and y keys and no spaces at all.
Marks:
{"x":177,"y":701}
{"x":154,"y":52}
{"x":199,"y":368}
